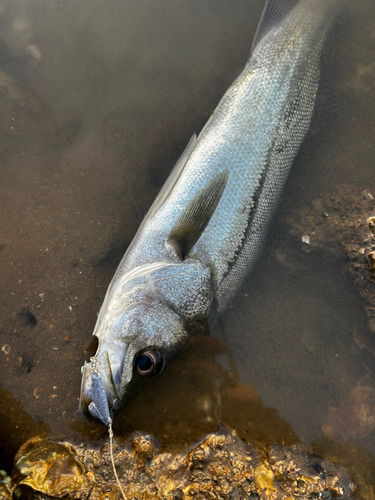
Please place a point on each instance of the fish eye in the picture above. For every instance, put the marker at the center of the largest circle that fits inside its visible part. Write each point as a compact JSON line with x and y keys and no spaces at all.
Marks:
{"x":90,"y":350}
{"x":148,"y":363}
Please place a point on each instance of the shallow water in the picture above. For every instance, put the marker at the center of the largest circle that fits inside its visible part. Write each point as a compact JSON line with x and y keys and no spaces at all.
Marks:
{"x":98,"y":100}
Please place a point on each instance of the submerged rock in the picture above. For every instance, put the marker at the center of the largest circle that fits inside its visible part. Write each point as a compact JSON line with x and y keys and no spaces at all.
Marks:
{"x":344,"y":221}
{"x":48,"y":468}
{"x":357,"y":461}
{"x":220,"y":466}
{"x":5,"y":486}
{"x":354,"y":417}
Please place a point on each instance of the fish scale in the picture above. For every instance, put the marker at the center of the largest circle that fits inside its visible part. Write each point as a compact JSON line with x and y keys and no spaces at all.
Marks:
{"x":206,"y":228}
{"x":255,"y":132}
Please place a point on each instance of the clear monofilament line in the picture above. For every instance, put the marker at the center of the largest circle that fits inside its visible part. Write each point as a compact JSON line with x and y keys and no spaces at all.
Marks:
{"x":110,"y":432}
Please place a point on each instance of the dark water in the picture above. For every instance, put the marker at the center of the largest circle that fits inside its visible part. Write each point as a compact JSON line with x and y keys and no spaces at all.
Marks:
{"x":97,"y":100}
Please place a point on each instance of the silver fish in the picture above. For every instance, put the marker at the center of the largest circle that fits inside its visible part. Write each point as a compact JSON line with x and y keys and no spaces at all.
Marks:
{"x":205,"y":229}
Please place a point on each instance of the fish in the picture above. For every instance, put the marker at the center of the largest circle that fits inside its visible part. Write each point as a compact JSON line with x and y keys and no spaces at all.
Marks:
{"x":205,"y":230}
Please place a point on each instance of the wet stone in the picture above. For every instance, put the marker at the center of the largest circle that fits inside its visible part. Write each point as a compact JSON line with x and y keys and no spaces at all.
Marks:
{"x":217,"y":467}
{"x":371,"y":224}
{"x":48,"y":468}
{"x":143,"y":448}
{"x":371,"y":264}
{"x":5,"y":486}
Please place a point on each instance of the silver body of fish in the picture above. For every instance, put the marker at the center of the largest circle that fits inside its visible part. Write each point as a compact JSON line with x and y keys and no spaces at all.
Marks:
{"x":204,"y":231}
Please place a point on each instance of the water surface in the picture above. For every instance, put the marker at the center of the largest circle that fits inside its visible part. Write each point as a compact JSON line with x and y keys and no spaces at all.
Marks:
{"x":98,"y":100}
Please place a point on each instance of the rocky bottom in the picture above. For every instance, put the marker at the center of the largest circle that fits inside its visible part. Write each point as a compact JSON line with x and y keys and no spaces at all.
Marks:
{"x":220,"y":466}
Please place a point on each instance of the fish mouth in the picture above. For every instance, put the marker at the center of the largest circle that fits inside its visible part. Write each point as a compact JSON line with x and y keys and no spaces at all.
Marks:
{"x":101,"y":381}
{"x":94,"y":392}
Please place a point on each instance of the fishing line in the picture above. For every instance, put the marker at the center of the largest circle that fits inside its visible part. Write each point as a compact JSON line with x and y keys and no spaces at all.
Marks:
{"x":98,"y":408}
{"x":110,"y":432}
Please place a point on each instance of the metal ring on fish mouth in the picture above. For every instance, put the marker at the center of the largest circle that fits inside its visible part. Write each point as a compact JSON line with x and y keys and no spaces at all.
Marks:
{"x":148,"y":363}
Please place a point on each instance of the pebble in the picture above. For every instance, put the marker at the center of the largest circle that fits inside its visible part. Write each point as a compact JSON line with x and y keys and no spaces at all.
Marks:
{"x":37,"y":392}
{"x":306,"y":239}
{"x":6,"y":348}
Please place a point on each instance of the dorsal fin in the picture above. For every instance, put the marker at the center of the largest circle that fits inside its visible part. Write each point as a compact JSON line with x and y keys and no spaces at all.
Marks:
{"x":194,"y":219}
{"x":173,"y":176}
{"x":274,"y":11}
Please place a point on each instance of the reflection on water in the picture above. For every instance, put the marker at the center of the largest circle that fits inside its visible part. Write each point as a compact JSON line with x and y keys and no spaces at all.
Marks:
{"x":204,"y":396}
{"x":97,"y":103}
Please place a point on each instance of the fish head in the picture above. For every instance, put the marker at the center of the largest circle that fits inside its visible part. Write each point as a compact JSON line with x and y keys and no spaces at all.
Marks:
{"x":132,"y":345}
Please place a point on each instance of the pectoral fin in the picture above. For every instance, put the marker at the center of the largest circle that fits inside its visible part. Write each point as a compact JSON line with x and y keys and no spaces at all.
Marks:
{"x":194,"y":219}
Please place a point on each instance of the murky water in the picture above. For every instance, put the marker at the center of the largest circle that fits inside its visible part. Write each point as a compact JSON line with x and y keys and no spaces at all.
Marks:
{"x":98,"y":99}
